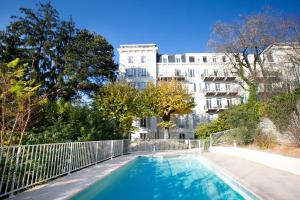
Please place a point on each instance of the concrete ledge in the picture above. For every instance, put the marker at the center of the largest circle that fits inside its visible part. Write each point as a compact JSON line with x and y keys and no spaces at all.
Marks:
{"x":284,"y":163}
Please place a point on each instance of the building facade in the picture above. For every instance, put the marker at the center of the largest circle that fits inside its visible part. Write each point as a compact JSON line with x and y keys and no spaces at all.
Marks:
{"x":206,"y":75}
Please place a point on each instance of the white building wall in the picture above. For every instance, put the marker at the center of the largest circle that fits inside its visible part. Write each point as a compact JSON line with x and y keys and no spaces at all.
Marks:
{"x":194,"y":70}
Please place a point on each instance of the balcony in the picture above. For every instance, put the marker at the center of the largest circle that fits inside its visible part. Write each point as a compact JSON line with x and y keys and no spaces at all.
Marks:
{"x":214,"y":109}
{"x":171,"y":77}
{"x":221,"y":92}
{"x":218,"y":77}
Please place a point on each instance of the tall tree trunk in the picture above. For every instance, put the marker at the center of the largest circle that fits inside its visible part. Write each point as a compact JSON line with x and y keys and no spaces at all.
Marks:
{"x":166,"y":118}
{"x":167,"y":133}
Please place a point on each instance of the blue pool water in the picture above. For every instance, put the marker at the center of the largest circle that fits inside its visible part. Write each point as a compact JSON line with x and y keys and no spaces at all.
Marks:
{"x":154,"y":178}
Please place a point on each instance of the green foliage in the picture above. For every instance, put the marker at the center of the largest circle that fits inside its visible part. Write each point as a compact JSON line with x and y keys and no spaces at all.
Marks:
{"x":203,"y":131}
{"x":66,"y":61}
{"x":244,"y":115}
{"x":117,"y":101}
{"x":280,"y":108}
{"x":64,"y":122}
{"x":242,"y":119}
{"x":148,"y":98}
{"x":243,"y":135}
{"x":164,"y":124}
{"x":18,"y":100}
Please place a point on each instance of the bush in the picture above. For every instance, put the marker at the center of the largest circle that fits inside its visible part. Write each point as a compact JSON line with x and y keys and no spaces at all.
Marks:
{"x":65,"y":122}
{"x":243,"y":117}
{"x":294,"y":128}
{"x":203,"y":131}
{"x":280,"y":108}
{"x":242,"y":136}
{"x":265,"y":141}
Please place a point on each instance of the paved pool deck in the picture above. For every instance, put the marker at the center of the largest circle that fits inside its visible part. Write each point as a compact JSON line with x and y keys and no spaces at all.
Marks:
{"x":266,"y":182}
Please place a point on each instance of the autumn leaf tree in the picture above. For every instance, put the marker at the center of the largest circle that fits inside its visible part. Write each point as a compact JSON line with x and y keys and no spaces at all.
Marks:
{"x":19,"y":102}
{"x":165,"y":100}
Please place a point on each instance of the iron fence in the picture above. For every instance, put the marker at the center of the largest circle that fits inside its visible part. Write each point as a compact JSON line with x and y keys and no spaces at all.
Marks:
{"x":27,"y":165}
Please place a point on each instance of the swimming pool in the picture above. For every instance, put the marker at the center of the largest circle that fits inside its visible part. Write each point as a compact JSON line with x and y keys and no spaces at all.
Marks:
{"x":161,"y":178}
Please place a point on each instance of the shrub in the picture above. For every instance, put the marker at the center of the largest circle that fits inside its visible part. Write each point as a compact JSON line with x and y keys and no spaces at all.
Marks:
{"x":294,"y":128}
{"x":280,"y":108}
{"x":243,"y":135}
{"x":243,"y":117}
{"x":265,"y":141}
{"x":203,"y":131}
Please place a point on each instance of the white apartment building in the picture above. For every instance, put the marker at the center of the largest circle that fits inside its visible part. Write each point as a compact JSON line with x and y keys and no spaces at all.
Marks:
{"x":207,"y":76}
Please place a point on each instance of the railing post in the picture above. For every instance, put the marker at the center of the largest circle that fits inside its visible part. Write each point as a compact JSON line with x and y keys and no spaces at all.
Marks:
{"x":199,"y":145}
{"x":122,"y":147}
{"x":15,"y":171}
{"x":111,"y":149}
{"x":70,"y":159}
{"x":210,"y":140}
{"x":97,"y":146}
{"x":189,"y":144}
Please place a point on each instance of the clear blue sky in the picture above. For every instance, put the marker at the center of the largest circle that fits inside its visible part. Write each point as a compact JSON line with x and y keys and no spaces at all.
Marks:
{"x":176,"y":26}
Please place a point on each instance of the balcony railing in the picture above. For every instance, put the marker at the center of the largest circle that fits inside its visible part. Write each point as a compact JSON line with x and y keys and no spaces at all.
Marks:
{"x":28,"y":165}
{"x":221,"y":92}
{"x":218,"y":77}
{"x":170,"y":77}
{"x":214,"y":109}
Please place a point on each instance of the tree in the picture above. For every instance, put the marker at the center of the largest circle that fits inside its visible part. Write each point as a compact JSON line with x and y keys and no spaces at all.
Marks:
{"x":165,"y":100}
{"x":66,"y":61}
{"x":19,"y":102}
{"x":244,"y":42}
{"x":117,"y":101}
{"x":65,"y":122}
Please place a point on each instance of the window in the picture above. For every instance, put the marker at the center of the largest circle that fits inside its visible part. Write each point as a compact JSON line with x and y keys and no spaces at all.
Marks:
{"x":219,"y":102}
{"x":205,"y":72}
{"x":181,"y":136}
{"x":143,"y":136}
{"x":225,"y":72}
{"x":143,"y":72}
{"x":191,"y":59}
{"x":207,"y":87}
{"x":204,"y":59}
{"x":191,"y":72}
{"x":214,"y":59}
{"x":181,"y":122}
{"x":227,"y":86}
{"x":143,"y":122}
{"x":177,"y":72}
{"x":128,"y":73}
{"x":224,"y":59}
{"x":142,"y":85}
{"x":208,"y":103}
{"x":229,"y":102}
{"x":218,"y":87}
{"x":215,"y":72}
{"x":195,"y":89}
{"x":130,"y":59}
{"x":143,"y":59}
{"x":165,"y":59}
{"x":177,"y":60}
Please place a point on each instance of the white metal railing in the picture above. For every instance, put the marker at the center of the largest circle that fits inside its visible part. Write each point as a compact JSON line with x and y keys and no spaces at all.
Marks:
{"x":27,"y":165}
